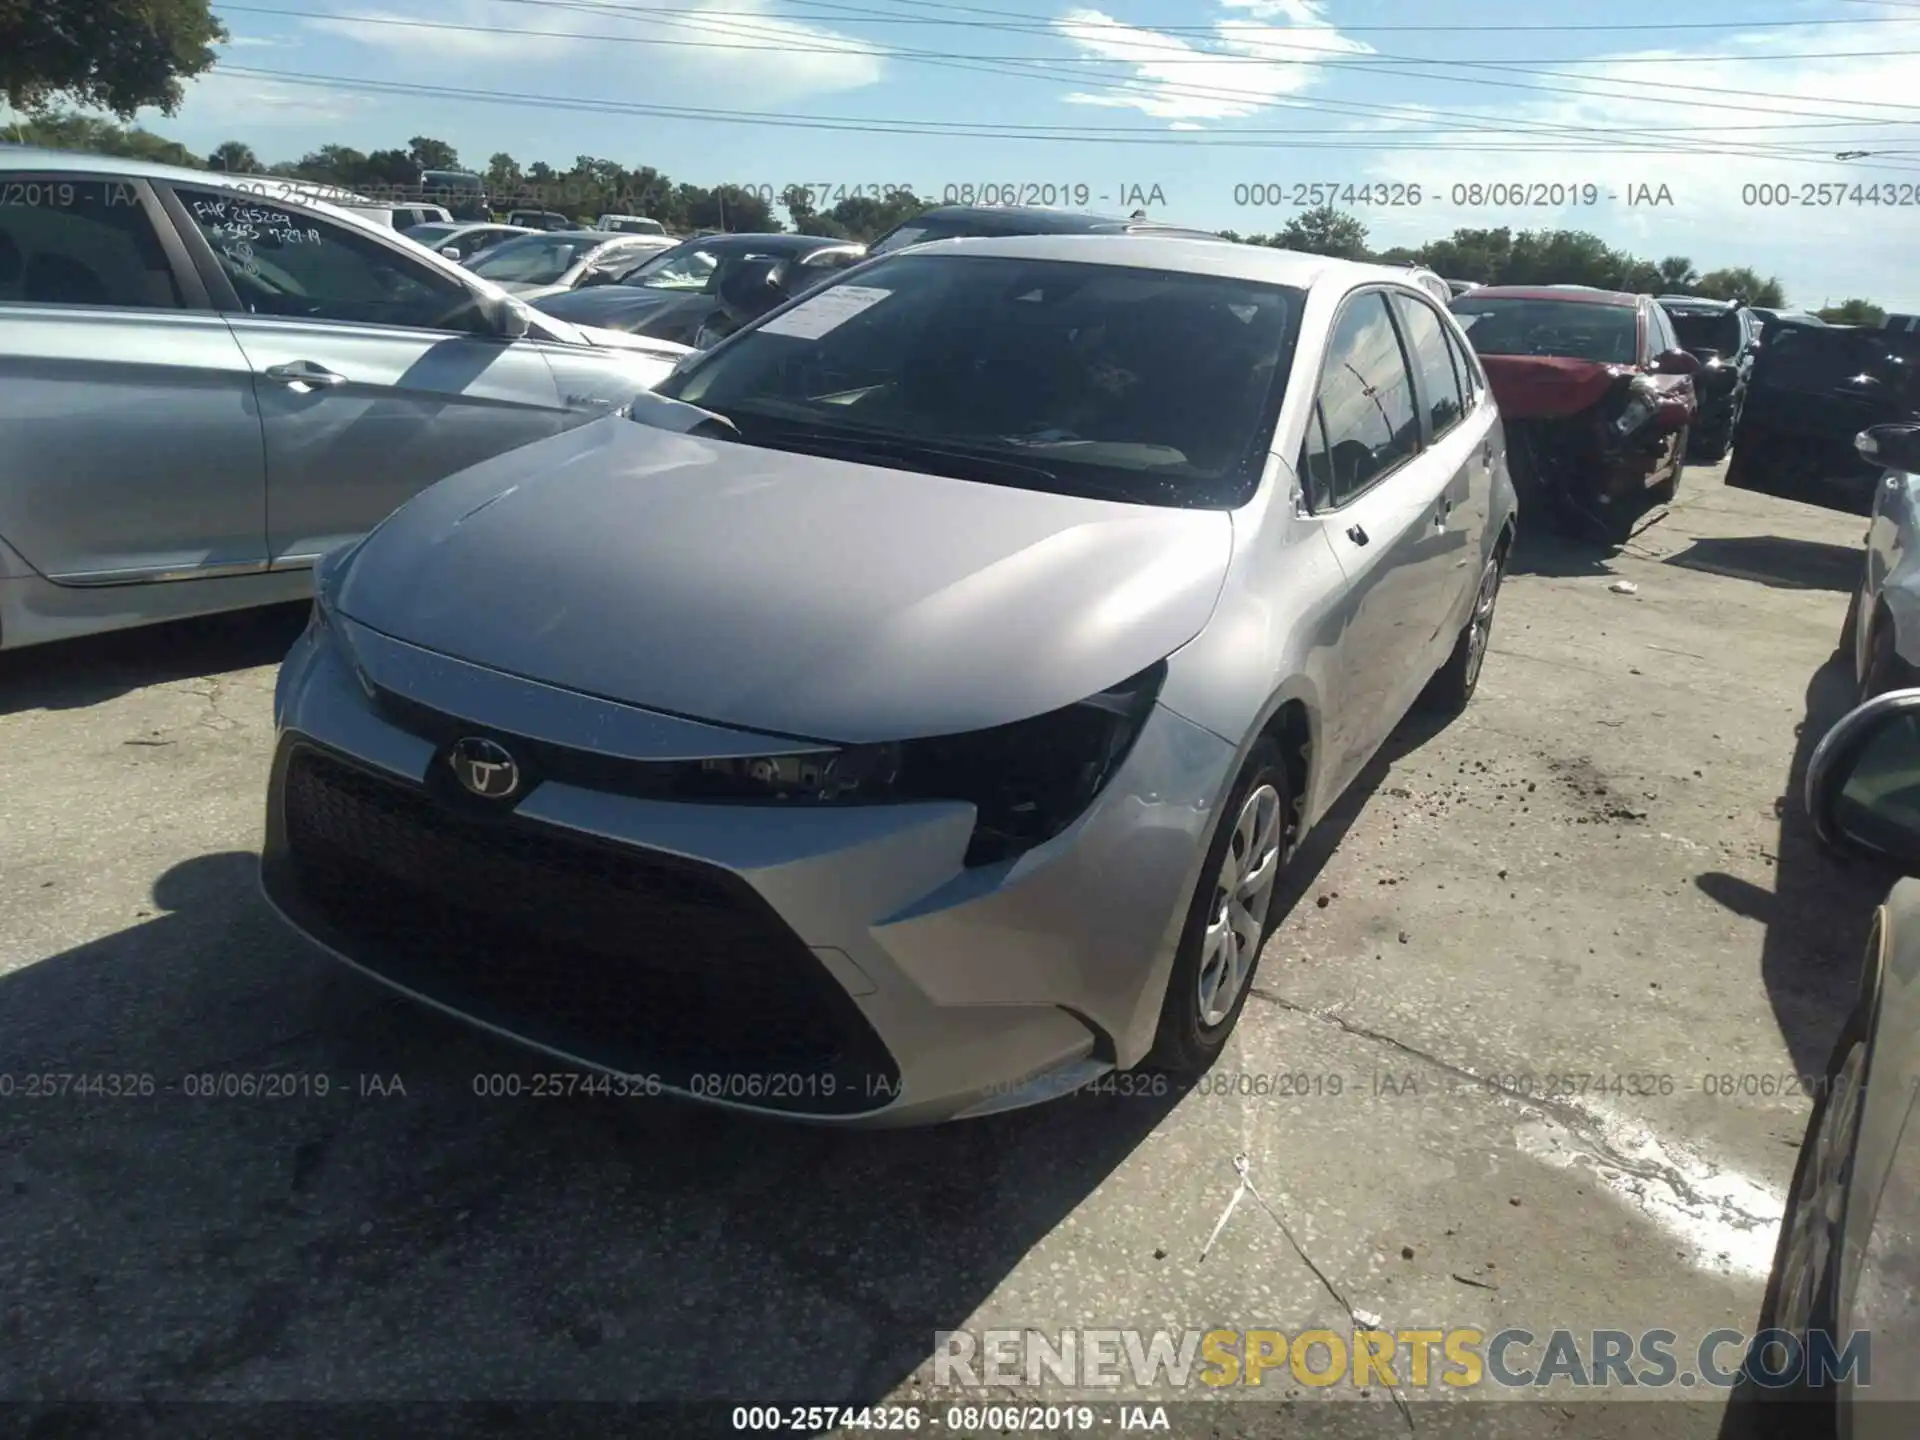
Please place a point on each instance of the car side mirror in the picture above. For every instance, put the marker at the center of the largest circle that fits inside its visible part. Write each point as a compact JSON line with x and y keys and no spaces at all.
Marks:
{"x":452,"y":252}
{"x":1675,"y":362}
{"x":1891,"y":447}
{"x":1863,"y":782}
{"x":500,"y":317}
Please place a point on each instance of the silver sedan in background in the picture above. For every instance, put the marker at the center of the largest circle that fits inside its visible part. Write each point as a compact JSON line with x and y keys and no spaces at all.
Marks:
{"x":208,"y":381}
{"x":908,"y":710}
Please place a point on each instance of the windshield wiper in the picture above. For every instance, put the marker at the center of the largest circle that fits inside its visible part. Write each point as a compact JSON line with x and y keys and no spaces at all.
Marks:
{"x":974,"y":464}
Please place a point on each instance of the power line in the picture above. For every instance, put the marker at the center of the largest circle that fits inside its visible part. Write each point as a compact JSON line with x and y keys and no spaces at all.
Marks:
{"x":966,"y":129}
{"x":1210,"y":57}
{"x":1045,"y":25}
{"x":1663,"y":137}
{"x":710,"y":23}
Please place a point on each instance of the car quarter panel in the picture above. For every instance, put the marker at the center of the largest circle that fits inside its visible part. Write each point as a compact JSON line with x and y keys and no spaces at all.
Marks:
{"x":1880,"y":1256}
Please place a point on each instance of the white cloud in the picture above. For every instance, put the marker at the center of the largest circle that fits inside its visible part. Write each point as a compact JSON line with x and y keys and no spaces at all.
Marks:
{"x":1250,"y":65}
{"x":245,"y":103}
{"x":1822,"y":253}
{"x":256,"y":42}
{"x":735,"y":47}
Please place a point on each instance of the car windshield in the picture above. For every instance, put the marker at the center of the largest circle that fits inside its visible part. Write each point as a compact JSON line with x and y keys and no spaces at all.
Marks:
{"x":696,"y":270}
{"x":1574,"y":329}
{"x":429,"y":234}
{"x":1707,"y":329}
{"x":1152,"y":387}
{"x":533,"y":259}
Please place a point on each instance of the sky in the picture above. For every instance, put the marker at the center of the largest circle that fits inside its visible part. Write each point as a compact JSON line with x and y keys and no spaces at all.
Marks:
{"x":1209,"y":112}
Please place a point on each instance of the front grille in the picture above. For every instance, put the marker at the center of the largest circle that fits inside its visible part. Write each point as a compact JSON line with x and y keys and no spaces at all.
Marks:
{"x":641,"y":962}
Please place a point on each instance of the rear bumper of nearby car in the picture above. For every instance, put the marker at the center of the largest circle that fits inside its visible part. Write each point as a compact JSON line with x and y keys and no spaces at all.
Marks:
{"x":835,"y":964}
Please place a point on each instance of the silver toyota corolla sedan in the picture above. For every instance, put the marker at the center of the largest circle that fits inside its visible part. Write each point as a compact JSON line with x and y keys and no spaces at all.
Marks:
{"x":908,"y":716}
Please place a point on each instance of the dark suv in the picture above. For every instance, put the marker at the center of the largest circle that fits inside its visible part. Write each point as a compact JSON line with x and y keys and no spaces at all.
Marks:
{"x":954,"y":222}
{"x":1722,"y":335}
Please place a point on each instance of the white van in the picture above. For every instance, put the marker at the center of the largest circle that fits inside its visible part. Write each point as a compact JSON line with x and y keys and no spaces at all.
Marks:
{"x":630,"y":224}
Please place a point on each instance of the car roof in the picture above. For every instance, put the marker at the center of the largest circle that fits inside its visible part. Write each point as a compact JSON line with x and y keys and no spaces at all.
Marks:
{"x":772,"y":240}
{"x":1046,"y":220}
{"x":1697,"y":302}
{"x":1578,"y":294}
{"x":1183,"y":253}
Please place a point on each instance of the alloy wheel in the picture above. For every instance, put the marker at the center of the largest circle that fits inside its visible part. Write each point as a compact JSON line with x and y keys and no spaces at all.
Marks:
{"x":1480,"y":626}
{"x":1242,"y":894}
{"x":1819,"y":1200}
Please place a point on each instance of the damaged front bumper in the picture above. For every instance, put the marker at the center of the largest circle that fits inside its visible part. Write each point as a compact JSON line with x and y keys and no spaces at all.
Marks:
{"x":1606,"y":457}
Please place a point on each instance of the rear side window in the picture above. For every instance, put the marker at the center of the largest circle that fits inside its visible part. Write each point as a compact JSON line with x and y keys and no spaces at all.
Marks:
{"x":1366,"y":397}
{"x":290,"y":262}
{"x":72,"y":241}
{"x":1427,"y":339}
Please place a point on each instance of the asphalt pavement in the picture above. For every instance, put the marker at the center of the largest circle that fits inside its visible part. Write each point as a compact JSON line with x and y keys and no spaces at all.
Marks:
{"x":1520,"y":1055}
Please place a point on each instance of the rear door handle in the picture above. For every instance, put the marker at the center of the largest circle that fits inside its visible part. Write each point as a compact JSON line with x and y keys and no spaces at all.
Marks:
{"x":1356,"y":535}
{"x":305,"y":372}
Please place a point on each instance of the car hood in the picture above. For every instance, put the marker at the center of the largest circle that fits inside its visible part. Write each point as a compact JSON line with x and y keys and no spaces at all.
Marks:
{"x":622,"y":306}
{"x":530,"y":290}
{"x":780,"y":592}
{"x":645,"y":345}
{"x":1547,"y":387}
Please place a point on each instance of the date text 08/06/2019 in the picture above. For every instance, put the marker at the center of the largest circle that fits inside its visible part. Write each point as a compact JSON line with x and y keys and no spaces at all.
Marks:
{"x":1045,"y":194}
{"x":1466,"y":194}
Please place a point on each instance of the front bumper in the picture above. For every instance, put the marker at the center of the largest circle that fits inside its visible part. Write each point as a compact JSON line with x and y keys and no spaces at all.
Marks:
{"x":828,"y":963}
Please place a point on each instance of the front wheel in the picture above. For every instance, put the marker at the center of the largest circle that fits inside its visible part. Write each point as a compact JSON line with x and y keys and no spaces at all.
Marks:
{"x":1228,"y":920}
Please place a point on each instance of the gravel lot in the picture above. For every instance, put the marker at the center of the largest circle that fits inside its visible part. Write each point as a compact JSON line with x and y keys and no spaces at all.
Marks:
{"x":1593,"y":874}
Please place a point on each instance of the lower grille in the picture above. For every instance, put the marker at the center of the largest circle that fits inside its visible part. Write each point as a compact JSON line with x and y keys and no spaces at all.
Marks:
{"x":640,"y":962}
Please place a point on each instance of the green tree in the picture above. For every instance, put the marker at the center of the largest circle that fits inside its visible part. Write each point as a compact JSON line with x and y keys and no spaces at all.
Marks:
{"x":115,"y":55}
{"x":1741,"y":282}
{"x":503,"y":174}
{"x":1564,"y":257}
{"x":1479,"y":255}
{"x":1677,"y":274}
{"x":332,"y":165}
{"x":234,"y":157}
{"x":92,"y":135}
{"x":867,"y":217}
{"x":426,"y":153}
{"x":1853,"y":312}
{"x":1325,"y":231}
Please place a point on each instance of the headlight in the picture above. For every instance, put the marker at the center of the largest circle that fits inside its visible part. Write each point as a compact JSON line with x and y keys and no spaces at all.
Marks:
{"x":1027,"y":781}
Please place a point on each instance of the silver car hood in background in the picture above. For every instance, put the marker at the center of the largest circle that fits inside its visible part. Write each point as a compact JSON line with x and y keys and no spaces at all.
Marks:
{"x":791,"y":593}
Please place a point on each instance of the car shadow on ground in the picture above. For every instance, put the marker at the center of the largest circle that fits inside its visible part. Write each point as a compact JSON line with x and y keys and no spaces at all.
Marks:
{"x":1783,"y":561}
{"x":1819,"y":912}
{"x":210,"y":1224}
{"x":73,"y":674}
{"x":1544,"y":552}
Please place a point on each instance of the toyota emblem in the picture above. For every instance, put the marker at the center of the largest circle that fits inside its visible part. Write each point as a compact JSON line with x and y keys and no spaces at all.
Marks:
{"x":484,"y":768}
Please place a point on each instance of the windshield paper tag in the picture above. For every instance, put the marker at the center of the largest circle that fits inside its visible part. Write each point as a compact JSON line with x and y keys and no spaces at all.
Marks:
{"x":826,"y":311}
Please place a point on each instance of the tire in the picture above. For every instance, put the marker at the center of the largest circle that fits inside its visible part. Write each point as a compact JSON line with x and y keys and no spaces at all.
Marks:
{"x":1192,"y":1031}
{"x":1453,"y":684}
{"x":1712,"y":449}
{"x":1886,"y":668}
{"x":1668,"y":490}
{"x":1803,"y":1292}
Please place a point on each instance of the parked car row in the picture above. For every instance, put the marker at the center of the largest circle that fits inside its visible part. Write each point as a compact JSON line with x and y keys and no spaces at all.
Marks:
{"x":205,"y":390}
